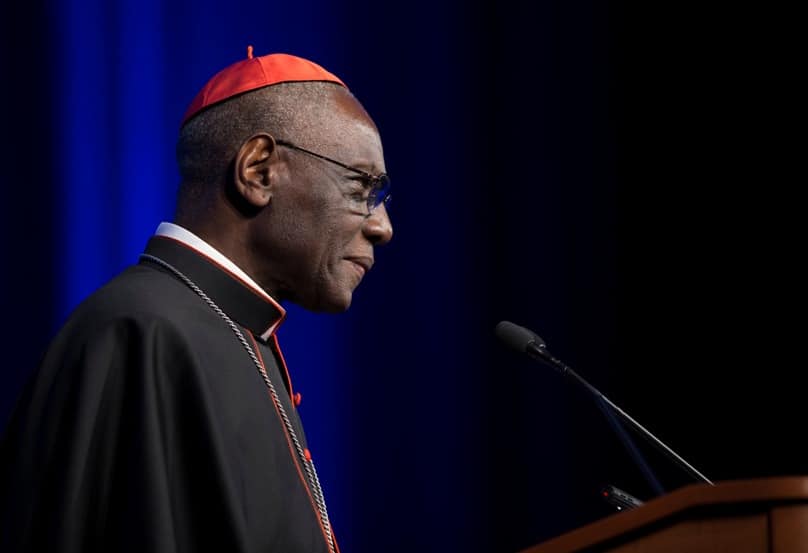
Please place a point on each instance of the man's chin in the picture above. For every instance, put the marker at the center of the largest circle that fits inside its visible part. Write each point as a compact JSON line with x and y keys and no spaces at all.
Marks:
{"x":339,"y":306}
{"x":330,"y":303}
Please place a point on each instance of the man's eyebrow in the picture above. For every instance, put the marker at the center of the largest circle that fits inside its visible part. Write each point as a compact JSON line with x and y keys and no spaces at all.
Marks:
{"x":365,"y":165}
{"x":369,"y":170}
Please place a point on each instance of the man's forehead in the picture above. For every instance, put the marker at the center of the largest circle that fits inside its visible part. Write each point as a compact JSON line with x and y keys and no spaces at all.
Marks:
{"x":337,"y":120}
{"x":349,"y":133}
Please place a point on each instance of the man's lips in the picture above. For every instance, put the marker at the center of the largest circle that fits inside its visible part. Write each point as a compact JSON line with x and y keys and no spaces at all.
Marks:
{"x":363,"y":263}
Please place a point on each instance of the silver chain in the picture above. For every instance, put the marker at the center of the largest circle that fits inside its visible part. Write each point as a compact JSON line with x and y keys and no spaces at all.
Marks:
{"x":308,"y":464}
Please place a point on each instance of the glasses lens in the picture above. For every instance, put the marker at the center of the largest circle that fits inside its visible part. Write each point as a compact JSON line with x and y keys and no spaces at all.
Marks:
{"x":380,"y":192}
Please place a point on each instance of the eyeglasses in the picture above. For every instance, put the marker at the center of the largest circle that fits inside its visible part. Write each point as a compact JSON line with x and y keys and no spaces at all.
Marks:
{"x":378,"y":186}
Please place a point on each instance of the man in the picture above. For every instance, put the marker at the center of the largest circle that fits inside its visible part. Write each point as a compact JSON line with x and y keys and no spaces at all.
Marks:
{"x":163,"y":418}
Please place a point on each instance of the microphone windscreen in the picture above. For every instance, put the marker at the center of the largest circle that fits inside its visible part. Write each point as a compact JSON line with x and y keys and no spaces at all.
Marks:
{"x":516,"y":337}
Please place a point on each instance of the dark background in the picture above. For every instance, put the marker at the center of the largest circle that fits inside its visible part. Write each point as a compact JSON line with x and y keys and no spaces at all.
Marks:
{"x":624,"y":179}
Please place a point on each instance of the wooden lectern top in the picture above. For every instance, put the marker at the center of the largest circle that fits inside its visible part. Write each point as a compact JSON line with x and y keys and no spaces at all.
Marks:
{"x":768,"y":515}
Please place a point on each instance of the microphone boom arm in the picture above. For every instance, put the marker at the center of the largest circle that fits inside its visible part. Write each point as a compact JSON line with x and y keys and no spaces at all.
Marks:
{"x":539,"y":351}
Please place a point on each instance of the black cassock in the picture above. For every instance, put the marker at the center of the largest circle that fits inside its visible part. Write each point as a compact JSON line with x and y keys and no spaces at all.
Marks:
{"x":148,"y":427}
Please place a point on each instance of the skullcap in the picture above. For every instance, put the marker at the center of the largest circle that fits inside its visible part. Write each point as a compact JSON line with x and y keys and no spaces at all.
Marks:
{"x":254,"y":73}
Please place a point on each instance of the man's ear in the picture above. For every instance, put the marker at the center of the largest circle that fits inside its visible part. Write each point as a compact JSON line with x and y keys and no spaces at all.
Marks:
{"x":252,"y":171}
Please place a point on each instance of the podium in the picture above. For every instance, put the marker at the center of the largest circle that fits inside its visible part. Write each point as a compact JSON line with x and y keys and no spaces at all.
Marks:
{"x":744,"y":516}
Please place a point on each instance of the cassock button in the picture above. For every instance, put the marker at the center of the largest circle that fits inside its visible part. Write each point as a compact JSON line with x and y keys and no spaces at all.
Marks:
{"x":307,"y":454}
{"x":297,"y":399}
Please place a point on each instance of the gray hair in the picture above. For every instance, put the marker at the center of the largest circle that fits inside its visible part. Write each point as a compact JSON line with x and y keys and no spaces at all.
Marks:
{"x":209,"y":141}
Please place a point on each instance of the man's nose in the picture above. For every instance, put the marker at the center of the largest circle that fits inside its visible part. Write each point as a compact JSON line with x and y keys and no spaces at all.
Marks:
{"x":377,"y":227}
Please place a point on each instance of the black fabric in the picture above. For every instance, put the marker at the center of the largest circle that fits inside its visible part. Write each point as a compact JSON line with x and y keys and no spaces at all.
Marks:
{"x":148,"y":428}
{"x":233,"y":296}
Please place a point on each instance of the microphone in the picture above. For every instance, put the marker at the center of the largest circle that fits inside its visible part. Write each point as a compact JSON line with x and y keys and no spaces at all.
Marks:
{"x":526,"y":341}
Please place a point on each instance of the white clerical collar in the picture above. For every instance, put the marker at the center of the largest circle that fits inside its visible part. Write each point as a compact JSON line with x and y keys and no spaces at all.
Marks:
{"x":171,"y":230}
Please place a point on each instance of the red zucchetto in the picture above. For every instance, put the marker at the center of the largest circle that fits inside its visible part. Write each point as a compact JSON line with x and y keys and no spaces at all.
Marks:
{"x":253,"y":73}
